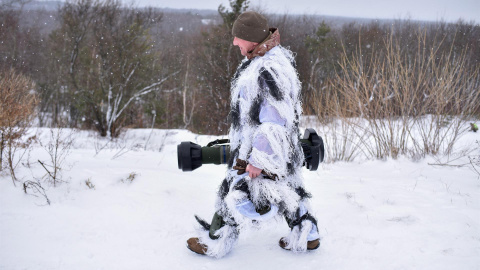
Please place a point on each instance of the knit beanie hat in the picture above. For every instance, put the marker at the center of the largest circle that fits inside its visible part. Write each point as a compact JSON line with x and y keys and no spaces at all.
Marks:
{"x":251,"y":26}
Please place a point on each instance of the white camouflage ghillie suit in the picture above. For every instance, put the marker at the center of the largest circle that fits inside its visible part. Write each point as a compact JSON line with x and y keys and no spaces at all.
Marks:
{"x":265,"y":110}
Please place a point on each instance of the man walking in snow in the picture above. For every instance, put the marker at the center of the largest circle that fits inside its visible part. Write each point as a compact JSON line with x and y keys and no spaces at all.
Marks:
{"x":266,"y":178}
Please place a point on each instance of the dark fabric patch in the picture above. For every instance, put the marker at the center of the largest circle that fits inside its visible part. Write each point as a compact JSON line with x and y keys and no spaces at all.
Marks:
{"x":294,"y":64}
{"x":223,"y":191}
{"x":295,"y":217}
{"x":298,"y":221}
{"x":242,"y":186}
{"x":312,"y":219}
{"x":282,"y":208}
{"x":233,"y":154}
{"x":234,"y":115}
{"x":294,"y":157}
{"x":227,"y":218}
{"x":269,"y":81}
{"x":261,"y":208}
{"x":254,"y":112}
{"x":303,"y":193}
{"x":297,"y":121}
{"x":307,"y":216}
{"x":241,"y":68}
{"x":290,"y":168}
{"x":203,"y":223}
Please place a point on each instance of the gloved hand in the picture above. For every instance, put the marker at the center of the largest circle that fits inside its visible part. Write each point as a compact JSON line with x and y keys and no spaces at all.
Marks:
{"x":242,"y":166}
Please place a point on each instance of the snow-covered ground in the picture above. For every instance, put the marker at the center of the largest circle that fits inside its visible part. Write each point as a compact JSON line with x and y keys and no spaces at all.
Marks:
{"x":394,"y":214}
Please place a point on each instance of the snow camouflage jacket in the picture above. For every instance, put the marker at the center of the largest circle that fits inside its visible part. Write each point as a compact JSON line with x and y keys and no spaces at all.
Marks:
{"x":265,"y":84}
{"x":264,"y":116}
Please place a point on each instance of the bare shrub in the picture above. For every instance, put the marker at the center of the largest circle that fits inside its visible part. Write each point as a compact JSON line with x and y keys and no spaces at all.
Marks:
{"x":398,"y":105}
{"x":475,"y":159}
{"x":154,"y":113}
{"x":58,"y":148}
{"x":35,"y":188}
{"x":89,"y":183}
{"x":469,"y":157}
{"x":121,"y":145}
{"x":17,"y":107}
{"x":160,"y":142}
{"x":338,"y":134}
{"x":130,"y":178}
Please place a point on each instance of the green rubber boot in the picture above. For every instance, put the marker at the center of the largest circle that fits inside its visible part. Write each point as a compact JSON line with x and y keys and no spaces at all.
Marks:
{"x":217,"y":223}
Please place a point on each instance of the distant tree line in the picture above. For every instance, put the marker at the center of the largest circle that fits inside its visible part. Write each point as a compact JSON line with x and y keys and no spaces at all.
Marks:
{"x":107,"y":66}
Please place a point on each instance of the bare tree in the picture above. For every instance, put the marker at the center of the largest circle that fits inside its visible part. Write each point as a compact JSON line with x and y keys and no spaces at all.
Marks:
{"x":110,"y":59}
{"x":10,"y":4}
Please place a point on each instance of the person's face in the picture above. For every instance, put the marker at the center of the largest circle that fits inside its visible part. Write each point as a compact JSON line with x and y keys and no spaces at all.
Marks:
{"x":244,"y":45}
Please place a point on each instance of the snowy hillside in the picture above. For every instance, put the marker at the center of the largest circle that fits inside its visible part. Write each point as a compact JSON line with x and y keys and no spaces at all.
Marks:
{"x":394,"y":214}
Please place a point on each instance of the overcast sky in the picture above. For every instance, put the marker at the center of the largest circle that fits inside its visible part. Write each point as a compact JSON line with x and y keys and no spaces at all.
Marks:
{"x":432,"y":10}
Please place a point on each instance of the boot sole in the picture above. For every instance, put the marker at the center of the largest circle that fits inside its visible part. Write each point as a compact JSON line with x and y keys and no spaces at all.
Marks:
{"x":195,"y":251}
{"x":314,"y":247}
{"x":307,"y":247}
